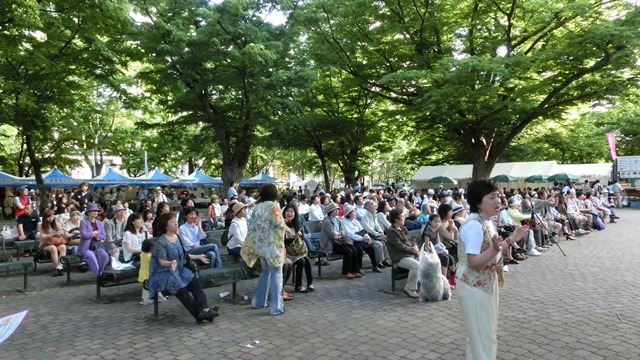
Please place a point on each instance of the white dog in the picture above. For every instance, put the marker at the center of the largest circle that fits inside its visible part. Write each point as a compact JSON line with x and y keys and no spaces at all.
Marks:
{"x":433,"y":285}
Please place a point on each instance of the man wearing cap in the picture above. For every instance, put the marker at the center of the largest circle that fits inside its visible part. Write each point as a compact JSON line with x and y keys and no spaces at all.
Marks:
{"x":82,"y":197}
{"x":444,"y":198}
{"x":21,"y":201}
{"x":115,"y":229}
{"x":191,"y":233}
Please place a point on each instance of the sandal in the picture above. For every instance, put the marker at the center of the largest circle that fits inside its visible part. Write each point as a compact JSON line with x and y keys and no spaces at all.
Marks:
{"x":301,"y":289}
{"x":348,"y":276}
{"x":286,"y":296}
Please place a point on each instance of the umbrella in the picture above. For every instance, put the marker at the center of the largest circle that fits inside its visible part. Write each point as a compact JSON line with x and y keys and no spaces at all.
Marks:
{"x":442,"y":180}
{"x":562,"y":177}
{"x":536,"y":179}
{"x":504,"y":178}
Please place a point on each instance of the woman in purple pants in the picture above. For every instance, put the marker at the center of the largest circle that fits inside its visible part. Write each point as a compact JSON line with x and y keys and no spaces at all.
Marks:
{"x":92,"y":231}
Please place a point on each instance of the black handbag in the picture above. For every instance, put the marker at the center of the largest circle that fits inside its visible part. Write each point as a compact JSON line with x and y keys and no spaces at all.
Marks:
{"x":188,"y":261}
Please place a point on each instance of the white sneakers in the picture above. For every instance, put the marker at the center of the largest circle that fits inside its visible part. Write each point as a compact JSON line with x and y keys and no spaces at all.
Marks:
{"x":534,"y":252}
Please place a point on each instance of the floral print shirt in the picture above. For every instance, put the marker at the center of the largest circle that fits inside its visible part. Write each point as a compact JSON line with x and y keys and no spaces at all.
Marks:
{"x":485,"y":277}
{"x":265,"y":236}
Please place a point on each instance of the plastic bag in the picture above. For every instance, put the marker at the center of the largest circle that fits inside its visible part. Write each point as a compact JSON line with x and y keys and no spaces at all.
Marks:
{"x":117,"y":265}
{"x":6,"y":232}
{"x":433,"y":285}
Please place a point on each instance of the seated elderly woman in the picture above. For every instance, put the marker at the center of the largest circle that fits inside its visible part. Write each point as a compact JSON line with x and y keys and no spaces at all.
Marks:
{"x":371,"y":225}
{"x":404,"y":251}
{"x":354,"y":231}
{"x":333,"y":239}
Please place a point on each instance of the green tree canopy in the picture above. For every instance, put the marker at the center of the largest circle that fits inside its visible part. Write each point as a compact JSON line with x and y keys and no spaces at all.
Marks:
{"x":478,"y":73}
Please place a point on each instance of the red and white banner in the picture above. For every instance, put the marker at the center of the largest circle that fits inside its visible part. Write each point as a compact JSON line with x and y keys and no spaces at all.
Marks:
{"x":611,"y":138}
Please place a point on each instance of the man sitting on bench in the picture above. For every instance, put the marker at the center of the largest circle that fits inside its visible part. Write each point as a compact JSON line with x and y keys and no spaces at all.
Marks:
{"x":28,"y":224}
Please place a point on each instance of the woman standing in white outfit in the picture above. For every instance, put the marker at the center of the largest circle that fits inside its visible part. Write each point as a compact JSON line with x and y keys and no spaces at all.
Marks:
{"x":480,"y":269}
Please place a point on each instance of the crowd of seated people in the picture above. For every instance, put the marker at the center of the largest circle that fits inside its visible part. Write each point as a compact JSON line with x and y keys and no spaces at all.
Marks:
{"x":349,"y":223}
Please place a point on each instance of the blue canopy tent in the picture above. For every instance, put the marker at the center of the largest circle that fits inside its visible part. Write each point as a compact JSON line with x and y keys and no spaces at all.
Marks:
{"x":260,"y":180}
{"x":111,"y":178}
{"x":199,"y":178}
{"x":10,"y":180}
{"x":156,"y":177}
{"x":53,"y":178}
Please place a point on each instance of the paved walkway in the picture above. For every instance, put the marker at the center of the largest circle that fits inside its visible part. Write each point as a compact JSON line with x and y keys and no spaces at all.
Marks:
{"x":582,"y":306}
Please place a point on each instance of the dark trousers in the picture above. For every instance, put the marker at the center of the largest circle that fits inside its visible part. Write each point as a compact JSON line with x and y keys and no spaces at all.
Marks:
{"x":364,"y":248}
{"x":350,"y":260}
{"x":287,"y":269}
{"x":537,"y":236}
{"x":303,"y":264}
{"x":195,"y":302}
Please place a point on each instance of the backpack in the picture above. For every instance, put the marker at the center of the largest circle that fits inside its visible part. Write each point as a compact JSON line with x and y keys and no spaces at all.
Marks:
{"x":224,"y":239}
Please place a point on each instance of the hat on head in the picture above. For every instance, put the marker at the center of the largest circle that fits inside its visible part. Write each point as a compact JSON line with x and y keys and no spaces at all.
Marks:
{"x":348,"y":209}
{"x":117,"y":207}
{"x":23,"y":187}
{"x":330,"y":207}
{"x":456,"y":209}
{"x":250,"y":201}
{"x":442,"y":194}
{"x":75,"y":212}
{"x":158,"y":188}
{"x":237,"y":207}
{"x":214,"y":197}
{"x":430,"y":192}
{"x":92,"y":207}
{"x":432,"y":203}
{"x":514,"y":201}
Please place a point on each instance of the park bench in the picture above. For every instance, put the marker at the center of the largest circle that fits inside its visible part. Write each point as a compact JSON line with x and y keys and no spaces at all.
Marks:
{"x":68,"y":261}
{"x":16,"y":267}
{"x":319,"y":254}
{"x":23,"y":245}
{"x":111,"y":278}
{"x":229,"y":273}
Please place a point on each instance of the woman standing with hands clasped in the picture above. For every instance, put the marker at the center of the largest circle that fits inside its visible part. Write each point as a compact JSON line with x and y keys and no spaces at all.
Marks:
{"x":480,"y":269}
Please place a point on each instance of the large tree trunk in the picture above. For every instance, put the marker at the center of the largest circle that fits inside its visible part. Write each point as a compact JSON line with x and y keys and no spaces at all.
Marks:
{"x":483,"y":158}
{"x":37,"y":171}
{"x":349,"y":165}
{"x":320,"y":153}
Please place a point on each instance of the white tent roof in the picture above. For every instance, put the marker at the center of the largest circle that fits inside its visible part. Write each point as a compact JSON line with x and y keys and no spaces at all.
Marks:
{"x":516,"y":169}
{"x":309,"y":183}
{"x":587,"y":171}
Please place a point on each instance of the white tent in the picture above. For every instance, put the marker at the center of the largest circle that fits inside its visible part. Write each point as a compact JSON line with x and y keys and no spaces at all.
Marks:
{"x":519,"y":170}
{"x":309,"y":183}
{"x":588,"y":171}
